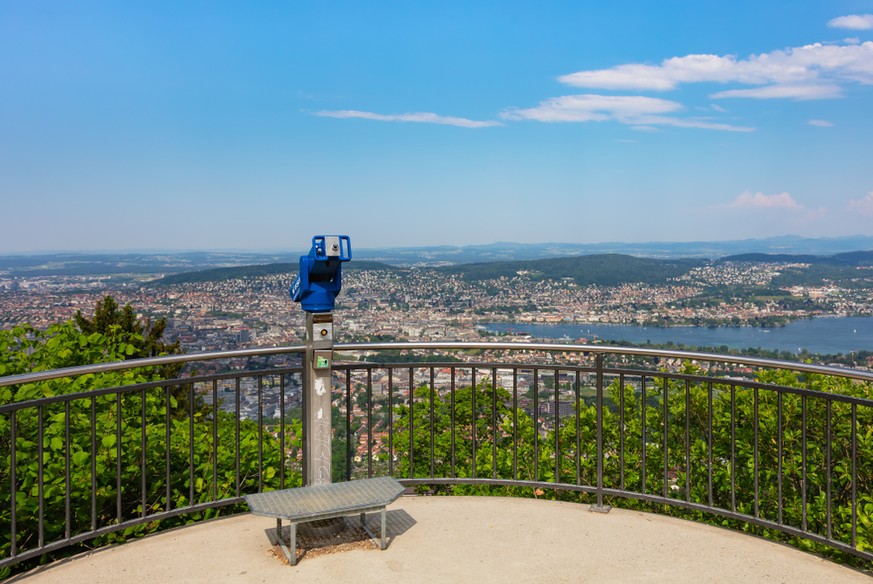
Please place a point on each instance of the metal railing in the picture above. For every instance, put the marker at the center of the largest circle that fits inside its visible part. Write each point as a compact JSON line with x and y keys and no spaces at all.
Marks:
{"x":786,"y":447}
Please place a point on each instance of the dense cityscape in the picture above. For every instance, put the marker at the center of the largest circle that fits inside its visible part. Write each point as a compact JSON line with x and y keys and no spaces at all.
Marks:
{"x":426,"y":304}
{"x":423,"y":304}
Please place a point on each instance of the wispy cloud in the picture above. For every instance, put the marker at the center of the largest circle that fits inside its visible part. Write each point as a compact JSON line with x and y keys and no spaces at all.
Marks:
{"x":853,"y":22}
{"x":671,"y":72}
{"x":813,"y":71}
{"x":864,"y":206}
{"x":635,"y":110}
{"x":749,"y":200}
{"x":593,"y":108}
{"x":821,"y":123}
{"x":417,"y":117}
{"x":779,"y":207}
{"x":796,"y":92}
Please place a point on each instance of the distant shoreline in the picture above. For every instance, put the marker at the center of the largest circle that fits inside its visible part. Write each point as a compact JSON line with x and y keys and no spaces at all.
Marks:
{"x":829,"y":335}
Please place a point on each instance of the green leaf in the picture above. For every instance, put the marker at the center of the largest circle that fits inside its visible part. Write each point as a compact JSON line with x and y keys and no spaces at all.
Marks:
{"x":80,"y":458}
{"x":56,"y":443}
{"x":108,"y":441}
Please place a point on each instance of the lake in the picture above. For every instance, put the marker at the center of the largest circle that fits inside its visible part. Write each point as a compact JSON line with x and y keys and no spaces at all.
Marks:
{"x":816,"y":335}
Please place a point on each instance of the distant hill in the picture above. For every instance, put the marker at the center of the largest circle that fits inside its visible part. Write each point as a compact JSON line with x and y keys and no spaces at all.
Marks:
{"x":852,"y":258}
{"x":841,"y":268}
{"x":173,"y":262}
{"x":238,"y":272}
{"x":600,"y":269}
{"x":442,"y":255}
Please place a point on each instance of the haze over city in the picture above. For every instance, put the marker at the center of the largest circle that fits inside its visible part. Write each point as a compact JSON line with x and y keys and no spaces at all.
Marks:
{"x":214,"y":126}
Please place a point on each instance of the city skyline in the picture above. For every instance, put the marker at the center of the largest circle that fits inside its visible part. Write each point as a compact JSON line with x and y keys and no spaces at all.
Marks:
{"x":224,"y":127}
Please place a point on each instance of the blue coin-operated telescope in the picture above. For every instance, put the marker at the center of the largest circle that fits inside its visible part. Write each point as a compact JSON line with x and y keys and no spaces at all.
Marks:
{"x":320,"y":277}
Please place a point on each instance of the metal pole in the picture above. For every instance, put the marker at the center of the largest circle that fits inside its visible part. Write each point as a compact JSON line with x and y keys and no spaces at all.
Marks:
{"x":318,"y":364}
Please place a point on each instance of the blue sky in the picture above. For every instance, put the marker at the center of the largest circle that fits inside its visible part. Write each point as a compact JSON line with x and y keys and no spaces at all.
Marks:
{"x":216,"y":125}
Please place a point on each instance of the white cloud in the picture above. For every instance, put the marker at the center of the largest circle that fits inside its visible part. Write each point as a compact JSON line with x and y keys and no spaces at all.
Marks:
{"x":779,"y":208}
{"x":863,"y":206}
{"x":655,"y":77}
{"x":853,"y":22}
{"x":798,"y":92}
{"x":639,"y":77}
{"x":698,"y":123}
{"x":821,"y":123}
{"x":808,"y":72}
{"x":749,"y":200}
{"x":635,"y":110}
{"x":593,"y":108}
{"x":418,"y":117}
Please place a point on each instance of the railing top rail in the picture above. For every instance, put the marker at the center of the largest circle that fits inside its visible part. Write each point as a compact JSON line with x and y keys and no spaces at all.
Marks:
{"x":616,"y":350}
{"x":448,"y":346}
{"x":148,"y":362}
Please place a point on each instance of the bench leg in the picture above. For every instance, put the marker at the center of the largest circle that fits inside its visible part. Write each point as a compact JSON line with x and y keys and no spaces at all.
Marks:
{"x":293,"y":559}
{"x":383,"y":528}
{"x":290,"y":554}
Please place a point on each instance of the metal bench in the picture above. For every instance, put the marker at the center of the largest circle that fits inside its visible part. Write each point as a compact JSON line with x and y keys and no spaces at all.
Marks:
{"x":319,"y":502}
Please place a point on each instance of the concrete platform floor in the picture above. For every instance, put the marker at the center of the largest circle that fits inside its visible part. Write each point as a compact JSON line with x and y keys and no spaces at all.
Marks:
{"x":461,"y":539}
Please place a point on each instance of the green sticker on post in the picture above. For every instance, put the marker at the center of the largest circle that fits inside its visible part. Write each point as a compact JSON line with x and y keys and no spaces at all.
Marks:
{"x":322,"y":362}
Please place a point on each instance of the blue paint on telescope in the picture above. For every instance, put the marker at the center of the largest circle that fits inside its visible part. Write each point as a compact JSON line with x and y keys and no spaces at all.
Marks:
{"x":319,"y":279}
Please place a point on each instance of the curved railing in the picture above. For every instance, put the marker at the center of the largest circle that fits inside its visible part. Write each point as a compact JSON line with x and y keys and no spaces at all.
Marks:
{"x":784,"y":447}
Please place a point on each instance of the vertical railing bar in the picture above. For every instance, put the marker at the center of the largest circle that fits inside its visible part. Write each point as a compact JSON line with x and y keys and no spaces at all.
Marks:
{"x":215,"y":439}
{"x":536,"y":423}
{"x":621,"y":431}
{"x":733,"y":448}
{"x":855,"y":476}
{"x":349,"y":450}
{"x":167,"y":489}
{"x":473,"y":420}
{"x":40,"y":449}
{"x":665,"y":447}
{"x":143,"y":483}
{"x":67,"y":494}
{"x":599,"y":411}
{"x":237,"y":434}
{"x":578,"y":409}
{"x":687,"y":440}
{"x":514,"y":424}
{"x":452,"y":415}
{"x":494,"y":423}
{"x":756,"y":454}
{"x":779,"y":506}
{"x":118,"y":458}
{"x":190,"y":444}
{"x":93,"y":463}
{"x":390,"y":421}
{"x":411,"y":424}
{"x":432,"y":422}
{"x":557,"y":378}
{"x":803,"y":462}
{"x":643,"y":433}
{"x":369,"y":422}
{"x":828,"y":510}
{"x":709,"y":441}
{"x":13,"y":482}
{"x":261,"y":433}
{"x":282,"y":452}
